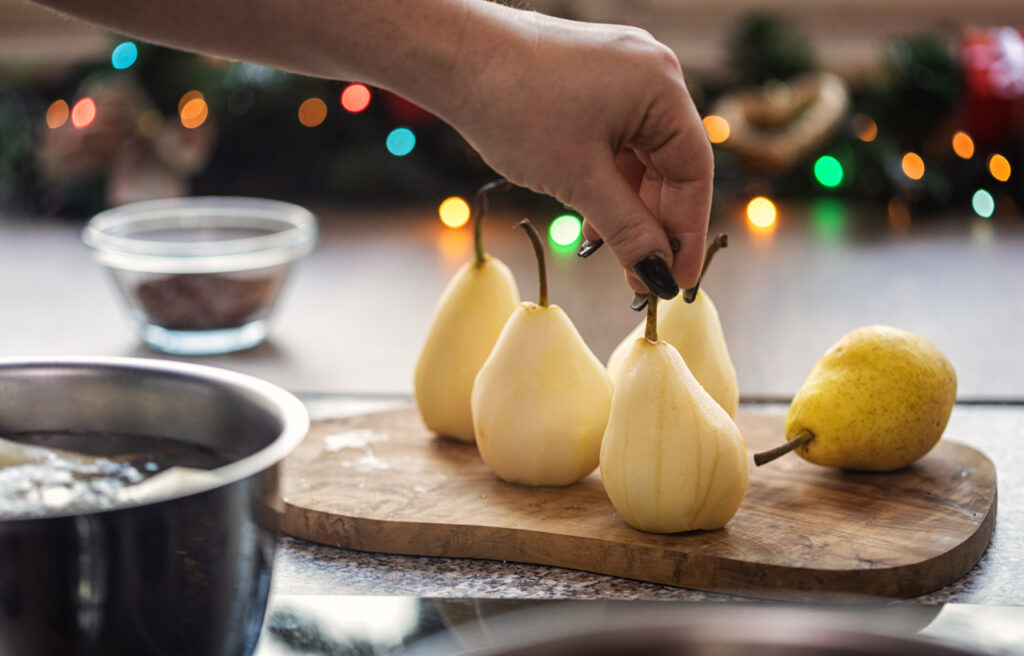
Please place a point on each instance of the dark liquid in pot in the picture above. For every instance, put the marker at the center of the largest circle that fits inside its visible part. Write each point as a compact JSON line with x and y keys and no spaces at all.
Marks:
{"x":87,"y":472}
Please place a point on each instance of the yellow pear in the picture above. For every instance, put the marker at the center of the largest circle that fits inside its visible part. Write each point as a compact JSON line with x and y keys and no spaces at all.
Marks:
{"x":469,"y":316}
{"x":541,"y":400}
{"x":671,"y":458}
{"x":877,"y":400}
{"x":696,"y":332}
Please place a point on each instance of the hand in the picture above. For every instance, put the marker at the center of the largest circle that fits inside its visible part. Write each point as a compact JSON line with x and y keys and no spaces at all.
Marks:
{"x":599,"y":117}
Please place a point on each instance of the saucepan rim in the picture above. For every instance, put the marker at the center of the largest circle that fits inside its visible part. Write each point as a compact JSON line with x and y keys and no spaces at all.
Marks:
{"x":289,"y":409}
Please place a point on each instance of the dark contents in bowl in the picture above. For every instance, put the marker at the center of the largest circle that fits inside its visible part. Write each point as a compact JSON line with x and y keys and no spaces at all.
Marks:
{"x":206,"y":301}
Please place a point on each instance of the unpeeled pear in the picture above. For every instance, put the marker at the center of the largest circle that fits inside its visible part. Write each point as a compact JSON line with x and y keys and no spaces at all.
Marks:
{"x":877,"y":400}
{"x":470,"y":314}
{"x":541,"y":400}
{"x":671,"y":458}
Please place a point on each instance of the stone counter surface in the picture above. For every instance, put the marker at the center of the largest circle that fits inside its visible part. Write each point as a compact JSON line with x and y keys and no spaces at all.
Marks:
{"x":306,"y":568}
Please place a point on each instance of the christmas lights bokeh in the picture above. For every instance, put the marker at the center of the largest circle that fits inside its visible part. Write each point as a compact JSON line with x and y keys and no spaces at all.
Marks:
{"x":909,"y":148}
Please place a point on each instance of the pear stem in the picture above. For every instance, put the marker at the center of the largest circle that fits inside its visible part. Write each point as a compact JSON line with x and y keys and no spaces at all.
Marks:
{"x":480,"y":207}
{"x":765,"y":457}
{"x":651,"y":329}
{"x":538,"y":250}
{"x":720,"y":241}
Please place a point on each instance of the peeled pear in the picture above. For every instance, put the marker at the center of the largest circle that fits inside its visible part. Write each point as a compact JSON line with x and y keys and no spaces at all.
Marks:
{"x":690,"y":323}
{"x":672,"y":459}
{"x":695,"y":330}
{"x":877,"y":400}
{"x":470,"y":314}
{"x":541,"y":400}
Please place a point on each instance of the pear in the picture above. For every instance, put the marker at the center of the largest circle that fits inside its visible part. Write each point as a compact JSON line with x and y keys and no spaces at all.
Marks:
{"x":470,"y":314}
{"x":541,"y":400}
{"x":671,"y":458}
{"x":690,"y":323}
{"x":877,"y":400}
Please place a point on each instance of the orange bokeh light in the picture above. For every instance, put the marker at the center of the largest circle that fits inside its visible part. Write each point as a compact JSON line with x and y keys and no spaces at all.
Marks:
{"x":355,"y":98}
{"x":312,"y":112}
{"x":57,"y":114}
{"x":717,"y":128}
{"x":761,"y":214}
{"x":188,"y":97}
{"x":913,"y":166}
{"x":83,"y":113}
{"x":999,"y":167}
{"x":454,"y":212}
{"x":963,"y":145}
{"x":865,"y":127}
{"x":194,"y":113}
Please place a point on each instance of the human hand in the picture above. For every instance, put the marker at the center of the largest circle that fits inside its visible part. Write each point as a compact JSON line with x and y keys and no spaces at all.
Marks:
{"x":599,"y":117}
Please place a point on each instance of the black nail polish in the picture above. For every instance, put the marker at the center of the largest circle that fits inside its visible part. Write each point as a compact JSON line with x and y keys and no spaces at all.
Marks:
{"x":639,"y":301}
{"x":655,"y":273}
{"x":588,"y":248}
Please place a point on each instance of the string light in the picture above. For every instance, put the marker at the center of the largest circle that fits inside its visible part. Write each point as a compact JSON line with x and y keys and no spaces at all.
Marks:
{"x":189,"y":96}
{"x":454,"y":212}
{"x":761,"y":213}
{"x":400,"y":142}
{"x":57,"y":114}
{"x":913,"y":166}
{"x":865,"y":127}
{"x":963,"y":145}
{"x":355,"y":98}
{"x":193,"y":113}
{"x":828,"y":171}
{"x":999,"y":167}
{"x":124,"y":55}
{"x":83,"y":113}
{"x":312,"y":112}
{"x":566,"y":230}
{"x":983,"y":203}
{"x":717,"y":128}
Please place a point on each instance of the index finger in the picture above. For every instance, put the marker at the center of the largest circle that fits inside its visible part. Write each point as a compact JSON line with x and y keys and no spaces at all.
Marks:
{"x":684,"y":162}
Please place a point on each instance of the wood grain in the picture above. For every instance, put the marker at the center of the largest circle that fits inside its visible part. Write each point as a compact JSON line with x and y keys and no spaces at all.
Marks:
{"x":383,"y":482}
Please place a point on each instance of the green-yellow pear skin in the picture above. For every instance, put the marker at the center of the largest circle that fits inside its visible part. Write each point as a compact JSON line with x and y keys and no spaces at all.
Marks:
{"x":469,"y":317}
{"x":877,"y":400}
{"x":541,"y":400}
{"x":671,"y":458}
{"x":696,"y":332}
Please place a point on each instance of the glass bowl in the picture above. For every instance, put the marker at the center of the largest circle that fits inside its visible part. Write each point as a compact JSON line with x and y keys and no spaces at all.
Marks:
{"x":200,"y":275}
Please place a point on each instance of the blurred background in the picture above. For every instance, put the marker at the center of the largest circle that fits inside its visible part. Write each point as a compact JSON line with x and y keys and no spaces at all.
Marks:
{"x":866,"y":171}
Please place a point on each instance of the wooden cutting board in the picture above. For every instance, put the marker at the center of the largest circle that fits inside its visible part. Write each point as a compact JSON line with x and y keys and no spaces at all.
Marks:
{"x":382,"y":482}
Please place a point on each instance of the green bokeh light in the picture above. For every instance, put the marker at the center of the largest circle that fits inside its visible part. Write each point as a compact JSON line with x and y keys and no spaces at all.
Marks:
{"x":828,"y":171}
{"x":983,"y":203}
{"x":566,"y":230}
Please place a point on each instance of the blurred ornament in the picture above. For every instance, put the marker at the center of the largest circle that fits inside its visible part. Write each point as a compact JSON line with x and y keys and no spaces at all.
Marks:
{"x":136,"y":164}
{"x":777,"y":124}
{"x":994,"y":74}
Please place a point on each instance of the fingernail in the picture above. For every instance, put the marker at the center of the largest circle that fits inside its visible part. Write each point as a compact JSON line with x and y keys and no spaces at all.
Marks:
{"x":654,"y":272}
{"x":589,"y":247}
{"x":639,"y":301}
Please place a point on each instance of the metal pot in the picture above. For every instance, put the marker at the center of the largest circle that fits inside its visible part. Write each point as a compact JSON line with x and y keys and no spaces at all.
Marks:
{"x":185,"y":573}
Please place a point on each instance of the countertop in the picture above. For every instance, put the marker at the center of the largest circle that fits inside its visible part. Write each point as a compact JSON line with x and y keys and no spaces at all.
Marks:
{"x":352,"y":318}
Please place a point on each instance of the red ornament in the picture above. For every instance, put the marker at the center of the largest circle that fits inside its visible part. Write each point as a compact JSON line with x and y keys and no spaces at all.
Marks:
{"x":994,"y":75}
